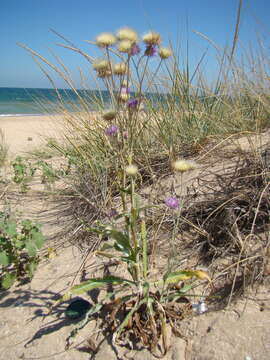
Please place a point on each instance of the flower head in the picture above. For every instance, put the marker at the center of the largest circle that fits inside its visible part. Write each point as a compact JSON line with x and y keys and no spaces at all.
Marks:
{"x":105,"y":40}
{"x":127,"y":34}
{"x":184,"y":165}
{"x":164,"y":53}
{"x":109,"y":115}
{"x":125,"y":46}
{"x":151,"y":50}
{"x":135,"y":50}
{"x":124,"y":89}
{"x":131,"y":170}
{"x":112,"y":213}
{"x":112,"y":130}
{"x":172,"y":202}
{"x":132,"y":103}
{"x":120,"y":69}
{"x":152,"y":38}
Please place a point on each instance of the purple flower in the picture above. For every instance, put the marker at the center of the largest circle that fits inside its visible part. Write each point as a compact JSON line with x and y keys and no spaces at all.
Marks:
{"x":112,"y":213}
{"x":172,"y":202}
{"x":132,"y":103}
{"x":135,"y":50}
{"x":112,"y":130}
{"x":124,"y":90}
{"x":151,"y":50}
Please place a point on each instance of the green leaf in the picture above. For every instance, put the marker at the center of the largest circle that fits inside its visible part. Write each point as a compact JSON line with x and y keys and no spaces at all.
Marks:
{"x":106,"y":246}
{"x":31,"y":249}
{"x":122,"y":241}
{"x":8,"y":280}
{"x":97,"y":283}
{"x":175,"y":277}
{"x":31,"y":268}
{"x":38,"y":238}
{"x":11,"y":229}
{"x":4,"y":260}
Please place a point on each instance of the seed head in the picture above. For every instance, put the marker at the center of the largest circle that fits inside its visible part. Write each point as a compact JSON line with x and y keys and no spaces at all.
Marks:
{"x":105,"y":39}
{"x":120,"y":69}
{"x":184,"y":165}
{"x":101,"y":65}
{"x":127,"y":34}
{"x":104,"y":74}
{"x":152,"y":38}
{"x":109,"y":115}
{"x":125,"y":46}
{"x":164,"y":53}
{"x":131,"y":170}
{"x":124,"y":97}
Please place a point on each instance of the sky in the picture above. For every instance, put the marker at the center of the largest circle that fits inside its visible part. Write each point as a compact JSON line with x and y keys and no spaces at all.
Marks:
{"x":178,"y":21}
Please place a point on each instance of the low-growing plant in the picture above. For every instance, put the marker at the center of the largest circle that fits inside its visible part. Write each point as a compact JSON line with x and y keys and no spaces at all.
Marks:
{"x":23,"y":172}
{"x":49,"y":174}
{"x":19,"y":244}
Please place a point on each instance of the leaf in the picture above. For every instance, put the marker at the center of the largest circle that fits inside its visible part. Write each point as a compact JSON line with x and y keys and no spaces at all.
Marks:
{"x":105,"y":254}
{"x":31,"y":268}
{"x":38,"y":238}
{"x":97,"y":283}
{"x":4,"y":260}
{"x":31,"y":249}
{"x":106,"y":246}
{"x":175,"y":277}
{"x":8,"y":280}
{"x":11,"y":229}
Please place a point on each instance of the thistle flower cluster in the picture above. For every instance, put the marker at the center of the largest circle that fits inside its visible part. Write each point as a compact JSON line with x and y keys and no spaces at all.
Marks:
{"x":126,"y":41}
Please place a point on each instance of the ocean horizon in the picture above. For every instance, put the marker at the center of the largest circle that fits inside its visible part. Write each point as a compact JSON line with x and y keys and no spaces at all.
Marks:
{"x":41,"y":101}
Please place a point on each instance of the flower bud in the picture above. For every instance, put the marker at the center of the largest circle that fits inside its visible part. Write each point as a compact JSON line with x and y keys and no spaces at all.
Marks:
{"x":131,"y":170}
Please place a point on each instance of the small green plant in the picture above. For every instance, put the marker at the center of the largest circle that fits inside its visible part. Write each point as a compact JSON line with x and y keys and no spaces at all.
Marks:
{"x":19,"y":243}
{"x":23,"y":172}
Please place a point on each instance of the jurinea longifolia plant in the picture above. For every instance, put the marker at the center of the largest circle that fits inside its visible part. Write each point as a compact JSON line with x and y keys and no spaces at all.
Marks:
{"x":142,"y":301}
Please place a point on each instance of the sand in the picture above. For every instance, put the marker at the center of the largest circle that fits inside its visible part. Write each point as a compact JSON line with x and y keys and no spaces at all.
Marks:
{"x":26,"y":133}
{"x":28,"y":332}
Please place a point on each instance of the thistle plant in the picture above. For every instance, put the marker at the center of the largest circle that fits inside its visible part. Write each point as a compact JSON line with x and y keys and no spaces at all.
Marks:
{"x":144,"y":304}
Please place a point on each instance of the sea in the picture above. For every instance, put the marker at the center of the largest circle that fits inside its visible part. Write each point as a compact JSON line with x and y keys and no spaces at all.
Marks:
{"x":32,"y":101}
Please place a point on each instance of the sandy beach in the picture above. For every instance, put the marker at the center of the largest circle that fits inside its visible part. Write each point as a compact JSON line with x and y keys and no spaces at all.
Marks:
{"x":26,"y":133}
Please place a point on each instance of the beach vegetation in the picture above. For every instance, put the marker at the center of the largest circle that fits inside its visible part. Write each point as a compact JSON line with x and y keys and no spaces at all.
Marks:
{"x":20,"y":241}
{"x":158,"y":114}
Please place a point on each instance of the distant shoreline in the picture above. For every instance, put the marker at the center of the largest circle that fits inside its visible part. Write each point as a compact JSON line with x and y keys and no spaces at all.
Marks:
{"x":22,"y":115}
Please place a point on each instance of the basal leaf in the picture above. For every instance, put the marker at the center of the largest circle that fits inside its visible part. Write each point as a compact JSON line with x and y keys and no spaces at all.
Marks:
{"x":97,"y":283}
{"x":175,"y":277}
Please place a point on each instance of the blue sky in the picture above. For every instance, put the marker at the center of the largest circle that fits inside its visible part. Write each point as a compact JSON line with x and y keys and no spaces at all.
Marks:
{"x":29,"y":21}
